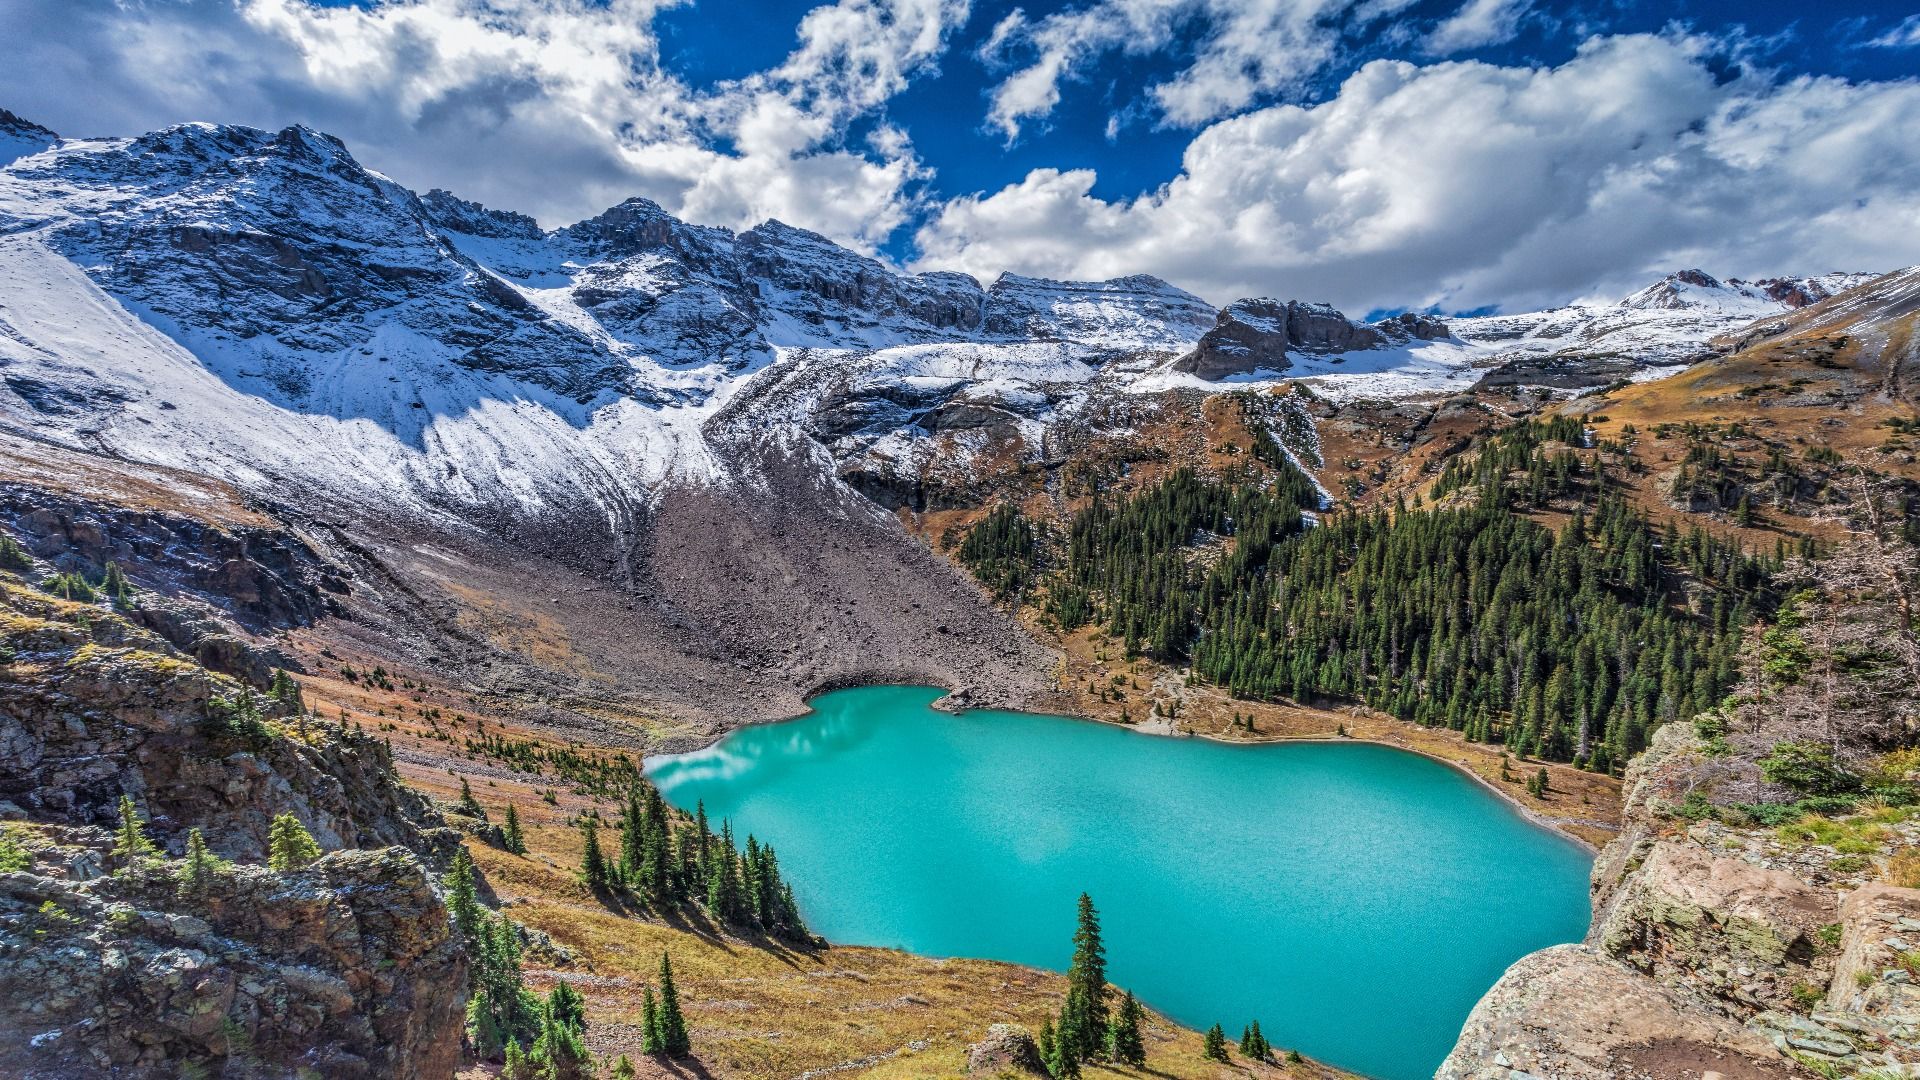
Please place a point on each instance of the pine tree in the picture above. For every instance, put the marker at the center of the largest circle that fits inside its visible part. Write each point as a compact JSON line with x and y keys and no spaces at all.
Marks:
{"x":704,"y":831}
{"x":1537,"y":784}
{"x":1253,"y":1044}
{"x":674,"y":1040}
{"x":1125,"y":1044}
{"x":724,"y":897}
{"x":285,"y":691}
{"x":289,"y":845}
{"x":130,"y":843}
{"x":649,"y":1024}
{"x":1087,"y":984}
{"x":632,"y":836}
{"x":501,"y":1011}
{"x":656,"y":851}
{"x":622,"y":1068}
{"x":593,"y":863}
{"x":470,"y":805}
{"x":463,"y":902}
{"x":197,"y":870}
{"x":517,"y":1066}
{"x":12,"y":555}
{"x":1069,"y":1035}
{"x":1216,"y":1045}
{"x":559,"y":1054}
{"x":511,"y":838}
{"x":116,"y":586}
{"x":565,"y":1005}
{"x":1048,"y":1043}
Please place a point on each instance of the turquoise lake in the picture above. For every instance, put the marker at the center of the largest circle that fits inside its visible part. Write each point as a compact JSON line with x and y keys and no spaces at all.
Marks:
{"x":1355,"y":899}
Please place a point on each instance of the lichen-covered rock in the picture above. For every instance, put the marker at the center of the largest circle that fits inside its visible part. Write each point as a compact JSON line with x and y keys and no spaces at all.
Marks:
{"x":1873,"y":977}
{"x":1007,"y":1048}
{"x":97,"y":708}
{"x":346,"y":969}
{"x":1741,"y":934}
{"x":1571,"y":1013}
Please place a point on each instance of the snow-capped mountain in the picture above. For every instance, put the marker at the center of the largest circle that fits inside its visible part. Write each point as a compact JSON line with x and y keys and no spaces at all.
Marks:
{"x":260,"y":307}
{"x":19,"y":137}
{"x":1656,"y":330}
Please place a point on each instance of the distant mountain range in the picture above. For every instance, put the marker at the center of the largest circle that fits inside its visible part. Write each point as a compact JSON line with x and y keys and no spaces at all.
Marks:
{"x":259,"y":307}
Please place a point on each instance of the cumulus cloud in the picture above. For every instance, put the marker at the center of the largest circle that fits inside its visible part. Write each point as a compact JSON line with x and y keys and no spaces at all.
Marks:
{"x":1464,"y":184}
{"x":1477,"y":24}
{"x":557,"y":107}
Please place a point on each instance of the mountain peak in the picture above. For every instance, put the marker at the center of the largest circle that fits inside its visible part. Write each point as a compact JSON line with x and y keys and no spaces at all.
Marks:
{"x":20,"y":137}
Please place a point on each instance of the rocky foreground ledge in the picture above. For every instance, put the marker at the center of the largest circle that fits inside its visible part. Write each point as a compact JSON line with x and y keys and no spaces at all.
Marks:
{"x":1714,"y":949}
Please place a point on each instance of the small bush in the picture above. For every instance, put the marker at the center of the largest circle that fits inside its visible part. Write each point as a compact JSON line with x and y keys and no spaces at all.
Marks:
{"x":1807,"y":767}
{"x":71,"y":587}
{"x":13,"y":556}
{"x":14,"y":855}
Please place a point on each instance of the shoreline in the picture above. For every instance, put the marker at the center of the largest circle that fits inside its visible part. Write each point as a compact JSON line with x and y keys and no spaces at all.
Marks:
{"x":947,"y":703}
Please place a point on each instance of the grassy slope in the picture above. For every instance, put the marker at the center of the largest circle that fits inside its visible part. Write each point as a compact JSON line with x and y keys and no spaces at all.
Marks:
{"x":757,"y":1008}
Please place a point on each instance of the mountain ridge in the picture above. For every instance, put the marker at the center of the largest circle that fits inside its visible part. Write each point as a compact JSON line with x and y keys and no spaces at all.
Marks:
{"x":383,"y":345}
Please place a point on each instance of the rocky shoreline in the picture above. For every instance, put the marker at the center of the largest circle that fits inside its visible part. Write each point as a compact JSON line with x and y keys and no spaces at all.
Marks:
{"x":1711,"y":951}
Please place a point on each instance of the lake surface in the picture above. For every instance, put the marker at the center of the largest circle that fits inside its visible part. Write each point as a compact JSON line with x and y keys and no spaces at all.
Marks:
{"x":1356,"y":900}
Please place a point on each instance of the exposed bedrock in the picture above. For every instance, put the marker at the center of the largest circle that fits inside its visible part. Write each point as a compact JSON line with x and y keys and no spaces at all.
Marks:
{"x":1706,"y":959}
{"x":1571,"y":1011}
{"x":1257,"y":335}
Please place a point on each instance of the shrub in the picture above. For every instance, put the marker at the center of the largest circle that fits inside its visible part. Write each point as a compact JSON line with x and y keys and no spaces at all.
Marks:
{"x":1808,"y":767}
{"x":12,"y":555}
{"x":14,"y":855}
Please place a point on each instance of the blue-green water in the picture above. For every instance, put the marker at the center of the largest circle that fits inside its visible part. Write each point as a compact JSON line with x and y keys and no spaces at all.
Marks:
{"x":1354,"y":899}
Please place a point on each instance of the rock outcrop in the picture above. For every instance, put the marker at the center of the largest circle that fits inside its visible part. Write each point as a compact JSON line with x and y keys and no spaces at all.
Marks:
{"x":1257,"y":334}
{"x":347,"y":969}
{"x":1571,"y":1011}
{"x":1712,"y":949}
{"x":96,"y":708}
{"x":1741,"y":935}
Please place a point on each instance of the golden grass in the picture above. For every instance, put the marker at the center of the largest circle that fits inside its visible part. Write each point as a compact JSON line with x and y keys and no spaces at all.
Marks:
{"x":763,"y":1009}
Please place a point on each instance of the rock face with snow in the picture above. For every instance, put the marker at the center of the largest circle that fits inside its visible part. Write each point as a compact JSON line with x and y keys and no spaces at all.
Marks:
{"x":1258,"y":334}
{"x":20,"y":137}
{"x":259,"y":307}
{"x":1669,"y":323}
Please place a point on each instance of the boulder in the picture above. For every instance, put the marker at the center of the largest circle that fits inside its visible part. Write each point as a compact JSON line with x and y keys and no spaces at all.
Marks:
{"x":1739,"y":934}
{"x":1571,"y":1013}
{"x":1006,"y":1049}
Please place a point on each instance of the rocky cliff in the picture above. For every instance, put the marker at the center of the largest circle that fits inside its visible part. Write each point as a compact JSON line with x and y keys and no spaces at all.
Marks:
{"x":114,"y":964}
{"x":1719,"y":945}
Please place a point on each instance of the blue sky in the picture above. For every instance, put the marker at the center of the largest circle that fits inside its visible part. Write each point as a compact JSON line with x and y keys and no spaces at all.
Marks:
{"x":945,"y":108}
{"x":1444,"y":154}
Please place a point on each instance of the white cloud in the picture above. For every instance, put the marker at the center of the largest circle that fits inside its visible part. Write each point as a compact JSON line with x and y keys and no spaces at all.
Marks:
{"x":1241,"y":50}
{"x":1477,"y":24}
{"x":556,"y":107}
{"x":1467,"y":184}
{"x":1904,"y":36}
